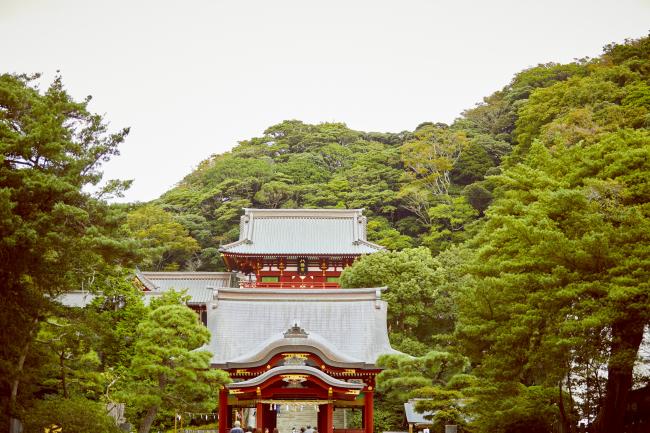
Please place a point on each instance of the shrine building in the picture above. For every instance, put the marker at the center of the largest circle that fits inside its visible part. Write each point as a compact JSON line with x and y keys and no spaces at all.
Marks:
{"x":292,"y":248}
{"x":289,"y":337}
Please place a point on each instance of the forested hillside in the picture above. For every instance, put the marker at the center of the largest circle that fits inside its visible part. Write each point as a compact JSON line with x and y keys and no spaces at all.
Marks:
{"x":421,"y":187}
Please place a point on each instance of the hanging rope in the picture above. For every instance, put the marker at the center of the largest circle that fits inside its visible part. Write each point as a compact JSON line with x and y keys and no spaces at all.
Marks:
{"x":297,"y":403}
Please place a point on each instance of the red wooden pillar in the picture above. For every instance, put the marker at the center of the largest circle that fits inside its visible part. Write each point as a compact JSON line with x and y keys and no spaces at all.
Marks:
{"x":259,"y":416}
{"x":329,"y":418}
{"x":223,"y":410}
{"x":368,"y":412}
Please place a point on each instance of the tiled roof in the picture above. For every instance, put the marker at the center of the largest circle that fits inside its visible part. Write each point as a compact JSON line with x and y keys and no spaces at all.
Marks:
{"x":164,"y":281}
{"x":350,"y":324}
{"x":198,"y":296}
{"x":413,"y":417}
{"x":76,"y":298}
{"x":302,"y":231}
{"x":281,"y":342}
{"x":197,"y":284}
{"x":289,"y":369}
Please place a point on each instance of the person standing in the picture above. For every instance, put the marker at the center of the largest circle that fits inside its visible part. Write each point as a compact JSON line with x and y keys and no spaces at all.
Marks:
{"x":237,"y":428}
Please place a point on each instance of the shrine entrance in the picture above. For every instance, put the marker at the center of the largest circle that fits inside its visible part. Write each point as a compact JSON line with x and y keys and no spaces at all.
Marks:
{"x":289,"y":396}
{"x":286,"y":415}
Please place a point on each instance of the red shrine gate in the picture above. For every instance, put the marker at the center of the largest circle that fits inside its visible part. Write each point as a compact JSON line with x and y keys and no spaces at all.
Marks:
{"x":286,"y":377}
{"x":288,"y":334}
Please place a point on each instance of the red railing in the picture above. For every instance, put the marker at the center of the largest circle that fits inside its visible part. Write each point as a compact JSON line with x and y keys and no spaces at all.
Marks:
{"x":288,"y":285}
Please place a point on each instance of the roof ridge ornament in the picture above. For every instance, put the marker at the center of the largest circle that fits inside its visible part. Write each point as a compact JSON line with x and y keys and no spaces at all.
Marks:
{"x":296,"y":331}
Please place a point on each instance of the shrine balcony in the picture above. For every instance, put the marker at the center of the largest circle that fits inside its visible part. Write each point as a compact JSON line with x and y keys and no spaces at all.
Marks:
{"x":288,"y":285}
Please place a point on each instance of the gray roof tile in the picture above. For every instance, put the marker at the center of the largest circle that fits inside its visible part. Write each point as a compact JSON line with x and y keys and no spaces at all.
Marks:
{"x":413,"y":417}
{"x":302,"y":231}
{"x":196,"y":283}
{"x":350,"y":321}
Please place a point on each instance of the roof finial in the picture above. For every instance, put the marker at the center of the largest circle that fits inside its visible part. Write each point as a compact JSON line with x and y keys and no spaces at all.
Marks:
{"x":296,"y":331}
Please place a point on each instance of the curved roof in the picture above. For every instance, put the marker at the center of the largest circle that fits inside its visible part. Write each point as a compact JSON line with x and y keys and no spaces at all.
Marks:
{"x":279,"y":343}
{"x":302,"y":231}
{"x":291,"y":369}
{"x":346,"y":325}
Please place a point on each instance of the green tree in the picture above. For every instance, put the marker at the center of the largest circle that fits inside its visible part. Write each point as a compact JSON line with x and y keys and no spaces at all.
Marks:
{"x":562,"y":261}
{"x":507,"y":407}
{"x":380,"y":231}
{"x":54,"y":236}
{"x":560,"y":276}
{"x":417,"y":309}
{"x":165,"y":243}
{"x":273,"y":194}
{"x":431,"y":156}
{"x":478,"y":196}
{"x":497,"y":114}
{"x":450,"y":217}
{"x":76,"y":415}
{"x":114,"y":316}
{"x":435,"y":379}
{"x":73,"y":367}
{"x":472,"y":164}
{"x":167,"y":372}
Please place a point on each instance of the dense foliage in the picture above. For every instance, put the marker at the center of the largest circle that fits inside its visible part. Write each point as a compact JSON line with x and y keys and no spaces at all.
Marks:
{"x":60,"y":365}
{"x":556,"y":270}
{"x":329,"y":165}
{"x":561,"y":266}
{"x":421,"y":310}
{"x":168,"y":372}
{"x":54,"y":236}
{"x":74,"y":415}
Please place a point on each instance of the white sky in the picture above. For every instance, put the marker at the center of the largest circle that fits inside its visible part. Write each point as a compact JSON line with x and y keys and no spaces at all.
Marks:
{"x":192,"y":78}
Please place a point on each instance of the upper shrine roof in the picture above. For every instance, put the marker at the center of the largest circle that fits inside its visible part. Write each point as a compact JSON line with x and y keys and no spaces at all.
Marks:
{"x":302,"y":231}
{"x":346,"y":326}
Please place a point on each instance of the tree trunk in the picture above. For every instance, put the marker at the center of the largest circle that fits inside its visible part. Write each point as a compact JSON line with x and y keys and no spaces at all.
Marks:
{"x":153,"y":410}
{"x":19,"y":370}
{"x":626,"y":339}
{"x":565,"y":419}
{"x":148,"y":419}
{"x":13,"y":397}
{"x":64,"y":384}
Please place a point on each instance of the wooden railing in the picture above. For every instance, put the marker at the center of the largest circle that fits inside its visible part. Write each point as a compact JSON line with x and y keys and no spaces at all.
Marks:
{"x":288,"y":285}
